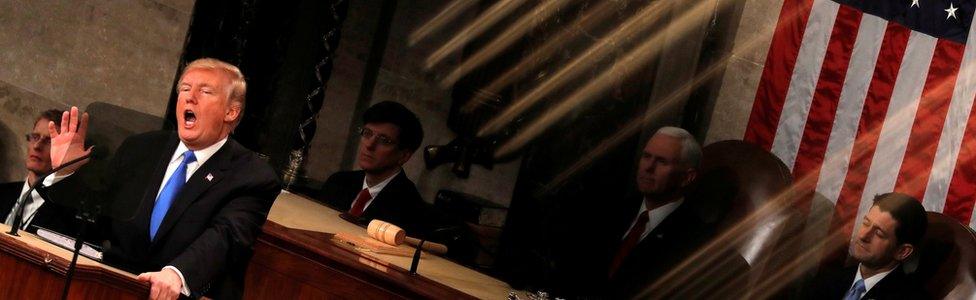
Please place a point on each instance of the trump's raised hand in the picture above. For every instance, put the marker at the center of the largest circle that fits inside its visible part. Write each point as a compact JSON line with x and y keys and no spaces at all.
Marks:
{"x":68,"y":143}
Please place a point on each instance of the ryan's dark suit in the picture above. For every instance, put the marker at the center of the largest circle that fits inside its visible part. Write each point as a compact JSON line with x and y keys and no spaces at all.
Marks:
{"x":398,"y":203}
{"x":678,"y":236}
{"x":834,"y":284}
{"x":49,"y":215}
{"x":208,"y":231}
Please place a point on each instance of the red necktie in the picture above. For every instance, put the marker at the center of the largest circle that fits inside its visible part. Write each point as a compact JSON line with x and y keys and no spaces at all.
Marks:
{"x":629,"y":242}
{"x":360,"y":204}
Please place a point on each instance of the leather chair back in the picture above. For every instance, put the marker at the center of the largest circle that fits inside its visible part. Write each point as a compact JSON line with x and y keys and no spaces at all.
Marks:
{"x":947,"y":259}
{"x":738,"y":180}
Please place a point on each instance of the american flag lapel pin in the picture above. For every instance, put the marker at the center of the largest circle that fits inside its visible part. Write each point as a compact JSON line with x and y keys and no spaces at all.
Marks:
{"x":209,"y":176}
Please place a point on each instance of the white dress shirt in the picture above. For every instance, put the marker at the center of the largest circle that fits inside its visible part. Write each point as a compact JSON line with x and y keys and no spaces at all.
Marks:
{"x":869,"y":282}
{"x":202,"y":156}
{"x":376,"y":189}
{"x":655,"y":217}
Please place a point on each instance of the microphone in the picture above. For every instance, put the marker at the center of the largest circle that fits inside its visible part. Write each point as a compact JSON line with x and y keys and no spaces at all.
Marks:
{"x":19,"y":214}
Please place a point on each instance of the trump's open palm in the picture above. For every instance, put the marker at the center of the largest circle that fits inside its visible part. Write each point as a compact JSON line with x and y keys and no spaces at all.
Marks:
{"x":68,"y":143}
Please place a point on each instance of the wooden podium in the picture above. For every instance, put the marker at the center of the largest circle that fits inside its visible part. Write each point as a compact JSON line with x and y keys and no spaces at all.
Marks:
{"x":295,"y":259}
{"x":34,"y":269}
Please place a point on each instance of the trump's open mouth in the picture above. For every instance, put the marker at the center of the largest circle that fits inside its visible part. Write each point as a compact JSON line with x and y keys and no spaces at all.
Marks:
{"x":189,"y":118}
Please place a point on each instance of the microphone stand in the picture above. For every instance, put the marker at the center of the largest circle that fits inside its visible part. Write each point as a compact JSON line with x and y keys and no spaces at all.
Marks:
{"x":79,"y":242}
{"x":415,"y":262}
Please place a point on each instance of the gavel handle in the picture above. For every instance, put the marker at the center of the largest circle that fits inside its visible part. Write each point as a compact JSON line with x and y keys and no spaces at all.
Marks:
{"x":435,"y":248}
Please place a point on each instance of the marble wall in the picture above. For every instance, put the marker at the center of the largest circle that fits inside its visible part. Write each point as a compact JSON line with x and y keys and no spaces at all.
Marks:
{"x":61,"y":53}
{"x":750,"y":44}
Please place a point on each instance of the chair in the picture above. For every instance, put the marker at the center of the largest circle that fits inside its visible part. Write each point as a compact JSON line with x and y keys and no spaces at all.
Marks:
{"x":737,"y":179}
{"x":947,"y":259}
{"x":110,"y":124}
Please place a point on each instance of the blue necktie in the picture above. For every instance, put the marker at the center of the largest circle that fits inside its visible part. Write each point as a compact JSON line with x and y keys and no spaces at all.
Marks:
{"x":856,"y":291}
{"x":170,"y":191}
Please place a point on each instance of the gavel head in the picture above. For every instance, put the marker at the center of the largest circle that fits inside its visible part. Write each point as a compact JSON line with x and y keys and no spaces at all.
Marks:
{"x":386,"y":232}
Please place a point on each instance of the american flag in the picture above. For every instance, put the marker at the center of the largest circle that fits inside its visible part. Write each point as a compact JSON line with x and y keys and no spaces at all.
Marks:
{"x":867,"y":97}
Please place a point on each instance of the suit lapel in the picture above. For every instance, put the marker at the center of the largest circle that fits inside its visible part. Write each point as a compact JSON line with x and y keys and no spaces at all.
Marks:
{"x":203,"y":178}
{"x":839,"y":282}
{"x":669,"y":225}
{"x":888,"y":283}
{"x":153,"y":185}
{"x":352,"y":190}
{"x":381,"y":203}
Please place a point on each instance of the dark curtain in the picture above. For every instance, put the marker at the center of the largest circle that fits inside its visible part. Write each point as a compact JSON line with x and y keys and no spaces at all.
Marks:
{"x":285,"y":50}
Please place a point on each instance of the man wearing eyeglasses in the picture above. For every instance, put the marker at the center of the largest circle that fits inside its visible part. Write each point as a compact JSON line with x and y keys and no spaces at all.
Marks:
{"x":38,"y":163}
{"x":389,"y":136}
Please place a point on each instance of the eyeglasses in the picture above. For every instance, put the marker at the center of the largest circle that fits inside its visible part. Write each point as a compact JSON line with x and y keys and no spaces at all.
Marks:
{"x":34,"y":138}
{"x":366,"y":133}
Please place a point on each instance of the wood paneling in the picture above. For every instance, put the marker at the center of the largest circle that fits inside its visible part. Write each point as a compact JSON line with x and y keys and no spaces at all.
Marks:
{"x":300,"y":264}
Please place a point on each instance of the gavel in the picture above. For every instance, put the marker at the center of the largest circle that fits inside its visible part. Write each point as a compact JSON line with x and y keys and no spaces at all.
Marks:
{"x":394,"y":235}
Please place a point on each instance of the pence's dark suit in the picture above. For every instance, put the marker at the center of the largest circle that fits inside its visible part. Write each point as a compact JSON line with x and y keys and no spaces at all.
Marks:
{"x":398,"y":203}
{"x":676,"y":238}
{"x":49,"y":215}
{"x":208,"y":231}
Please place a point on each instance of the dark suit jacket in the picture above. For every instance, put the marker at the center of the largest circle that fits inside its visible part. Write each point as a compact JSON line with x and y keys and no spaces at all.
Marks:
{"x":834,"y":284}
{"x":398,"y":203}
{"x":678,"y":236}
{"x":211,"y":226}
{"x":50,"y":215}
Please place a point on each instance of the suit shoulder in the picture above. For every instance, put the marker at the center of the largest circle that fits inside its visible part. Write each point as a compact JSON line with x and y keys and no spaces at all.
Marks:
{"x":404,"y":184}
{"x":11,"y":185}
{"x":345,"y":176}
{"x":9,"y":192}
{"x":249,"y":161}
{"x":158,"y":135}
{"x":147,"y":141}
{"x":899,"y":284}
{"x":402,"y":179}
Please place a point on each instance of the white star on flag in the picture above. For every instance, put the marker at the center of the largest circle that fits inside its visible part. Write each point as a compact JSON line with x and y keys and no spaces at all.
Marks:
{"x":914,"y":3}
{"x":952,"y":11}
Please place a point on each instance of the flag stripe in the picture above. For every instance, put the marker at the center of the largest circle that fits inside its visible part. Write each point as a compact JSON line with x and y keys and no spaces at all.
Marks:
{"x":933,"y":106}
{"x":799,"y":97}
{"x":898,"y":120}
{"x":780,"y":61}
{"x":948,"y":157}
{"x":855,"y":90}
{"x":963,"y":184}
{"x":816,"y":132}
{"x":876,"y":103}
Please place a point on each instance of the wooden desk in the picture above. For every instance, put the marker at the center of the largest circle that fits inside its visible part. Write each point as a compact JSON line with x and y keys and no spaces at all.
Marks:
{"x":34,"y":269}
{"x":294,"y":259}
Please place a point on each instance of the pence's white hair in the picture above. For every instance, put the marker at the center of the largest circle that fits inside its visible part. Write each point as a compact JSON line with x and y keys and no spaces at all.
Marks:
{"x":691,"y":152}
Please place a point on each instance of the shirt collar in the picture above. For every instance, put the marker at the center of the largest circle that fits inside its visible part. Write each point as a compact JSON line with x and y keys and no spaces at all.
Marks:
{"x":870,"y":281}
{"x":202,"y":155}
{"x":374,"y":190}
{"x":655,"y":216}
